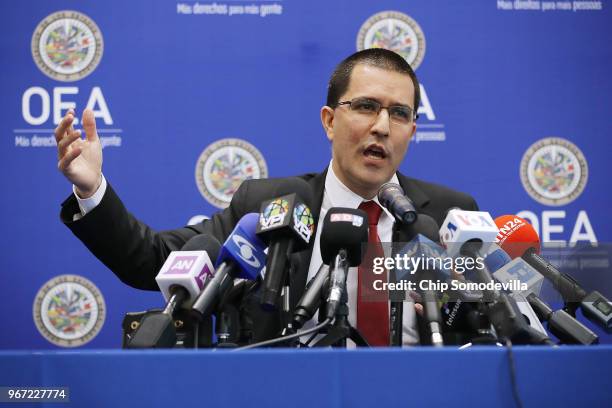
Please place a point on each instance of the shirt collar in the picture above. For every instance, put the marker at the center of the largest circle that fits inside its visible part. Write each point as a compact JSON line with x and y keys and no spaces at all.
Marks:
{"x":341,"y":196}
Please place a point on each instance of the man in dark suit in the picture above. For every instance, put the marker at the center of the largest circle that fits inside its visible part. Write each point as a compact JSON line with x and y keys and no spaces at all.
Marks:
{"x":369,"y":119}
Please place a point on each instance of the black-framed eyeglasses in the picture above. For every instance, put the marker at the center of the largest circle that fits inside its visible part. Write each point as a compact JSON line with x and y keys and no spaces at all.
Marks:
{"x":399,"y":114}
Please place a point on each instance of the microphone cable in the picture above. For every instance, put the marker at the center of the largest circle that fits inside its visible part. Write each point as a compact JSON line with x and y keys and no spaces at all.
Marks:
{"x":286,"y":338}
{"x":512,"y":366}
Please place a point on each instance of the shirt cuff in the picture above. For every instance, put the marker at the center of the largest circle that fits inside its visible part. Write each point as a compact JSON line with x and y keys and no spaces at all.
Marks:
{"x":88,"y":204}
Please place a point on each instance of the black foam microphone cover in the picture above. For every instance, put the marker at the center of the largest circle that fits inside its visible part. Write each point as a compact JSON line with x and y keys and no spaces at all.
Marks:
{"x":424,"y":225}
{"x":294,"y":185}
{"x":203,"y":242}
{"x":344,"y":228}
{"x":392,"y":197}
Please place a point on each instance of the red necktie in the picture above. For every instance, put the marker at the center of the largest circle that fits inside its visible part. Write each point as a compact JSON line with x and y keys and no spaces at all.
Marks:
{"x":372,"y":305}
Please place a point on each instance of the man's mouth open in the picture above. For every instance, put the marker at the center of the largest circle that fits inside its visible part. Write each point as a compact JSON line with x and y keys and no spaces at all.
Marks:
{"x":375,"y":152}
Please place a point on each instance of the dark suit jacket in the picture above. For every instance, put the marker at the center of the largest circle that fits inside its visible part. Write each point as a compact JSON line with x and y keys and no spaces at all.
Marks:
{"x":135,"y":253}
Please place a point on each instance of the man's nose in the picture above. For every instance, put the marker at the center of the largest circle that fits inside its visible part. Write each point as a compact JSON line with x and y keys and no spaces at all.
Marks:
{"x":382,"y":124}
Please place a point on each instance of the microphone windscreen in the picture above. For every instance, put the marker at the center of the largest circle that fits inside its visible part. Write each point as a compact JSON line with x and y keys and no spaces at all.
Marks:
{"x":295,"y":185}
{"x":424,"y":225}
{"x":344,"y":228}
{"x":203,"y":242}
{"x":244,"y":249}
{"x":496,"y":260}
{"x":516,"y":235}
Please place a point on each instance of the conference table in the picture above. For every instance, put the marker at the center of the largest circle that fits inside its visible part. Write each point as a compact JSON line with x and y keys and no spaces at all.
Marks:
{"x":567,"y":376}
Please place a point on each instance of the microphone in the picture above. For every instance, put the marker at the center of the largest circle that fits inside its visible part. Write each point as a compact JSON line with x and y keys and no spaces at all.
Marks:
{"x":427,"y":227}
{"x":344,"y":232}
{"x":286,"y":225}
{"x":392,"y":197}
{"x":242,"y":256}
{"x":595,"y":306}
{"x":560,"y":323}
{"x":185,"y":272}
{"x":462,"y":299}
{"x":404,"y":233}
{"x":311,"y":299}
{"x":519,"y":234}
{"x":181,"y":278}
{"x":461,"y":304}
{"x":423,"y":245}
{"x":470,"y":234}
{"x":461,"y":227}
{"x":505,"y":270}
{"x":419,"y":235}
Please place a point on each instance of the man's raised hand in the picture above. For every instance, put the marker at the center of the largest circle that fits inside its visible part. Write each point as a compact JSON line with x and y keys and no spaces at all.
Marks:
{"x":80,"y":160}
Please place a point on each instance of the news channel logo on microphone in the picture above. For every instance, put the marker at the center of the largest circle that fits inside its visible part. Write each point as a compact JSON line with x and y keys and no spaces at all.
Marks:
{"x":303,"y":221}
{"x":274,"y":213}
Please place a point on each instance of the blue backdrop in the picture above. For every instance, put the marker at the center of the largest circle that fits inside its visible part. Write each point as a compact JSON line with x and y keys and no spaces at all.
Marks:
{"x":169,"y":78}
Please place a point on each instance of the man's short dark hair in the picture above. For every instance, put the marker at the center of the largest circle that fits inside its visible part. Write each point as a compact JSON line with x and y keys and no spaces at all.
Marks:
{"x":376,"y":57}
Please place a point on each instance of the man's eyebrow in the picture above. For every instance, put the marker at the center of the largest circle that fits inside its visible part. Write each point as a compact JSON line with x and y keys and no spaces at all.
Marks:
{"x":376,"y":100}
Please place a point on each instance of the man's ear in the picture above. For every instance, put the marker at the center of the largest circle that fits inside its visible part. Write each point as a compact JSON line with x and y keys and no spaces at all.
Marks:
{"x":412,"y":131}
{"x":327,"y":120}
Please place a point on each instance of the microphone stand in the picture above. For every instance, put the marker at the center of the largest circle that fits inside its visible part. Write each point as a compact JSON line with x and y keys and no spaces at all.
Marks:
{"x":396,"y":310}
{"x":154,"y":329}
{"x":396,"y":313}
{"x":340,"y":329}
{"x":479,"y":321}
{"x":286,"y":313}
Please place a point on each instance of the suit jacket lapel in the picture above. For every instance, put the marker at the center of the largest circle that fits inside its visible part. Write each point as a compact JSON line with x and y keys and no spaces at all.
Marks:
{"x":413,"y":191}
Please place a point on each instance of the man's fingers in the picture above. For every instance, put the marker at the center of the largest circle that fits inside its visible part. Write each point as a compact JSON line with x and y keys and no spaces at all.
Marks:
{"x":66,"y":123}
{"x":419,"y":309}
{"x":89,"y":124}
{"x":66,"y":141}
{"x":72,"y":154}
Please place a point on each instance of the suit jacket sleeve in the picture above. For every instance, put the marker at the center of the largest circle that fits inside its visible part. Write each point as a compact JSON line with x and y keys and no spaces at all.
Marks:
{"x":131,"y":249}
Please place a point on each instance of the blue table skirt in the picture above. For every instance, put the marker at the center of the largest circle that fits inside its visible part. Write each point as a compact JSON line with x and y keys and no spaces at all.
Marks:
{"x":419,"y":377}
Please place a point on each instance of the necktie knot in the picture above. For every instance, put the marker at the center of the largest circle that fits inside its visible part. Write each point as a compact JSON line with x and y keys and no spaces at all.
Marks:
{"x":373,"y":210}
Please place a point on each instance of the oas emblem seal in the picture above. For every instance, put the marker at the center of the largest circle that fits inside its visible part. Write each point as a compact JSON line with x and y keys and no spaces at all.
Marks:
{"x":67,"y":46}
{"x":394,"y":31}
{"x":69,"y":310}
{"x":224,"y":165}
{"x":554,"y":171}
